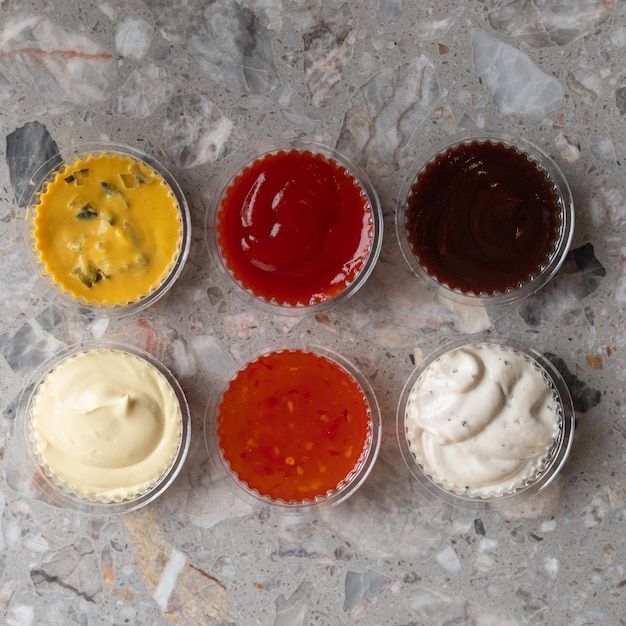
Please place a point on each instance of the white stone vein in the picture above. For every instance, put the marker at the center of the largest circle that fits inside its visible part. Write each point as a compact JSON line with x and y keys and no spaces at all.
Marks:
{"x":5,"y":88}
{"x":448,"y":559}
{"x":57,"y":64}
{"x":167,"y":583}
{"x":292,"y":611}
{"x":557,"y":22}
{"x":133,"y":38}
{"x":516,"y":84}
{"x":231,"y":43}
{"x":21,"y":615}
{"x":145,"y":89}
{"x":435,"y":27}
{"x":361,"y":590}
{"x":386,"y":112}
{"x":329,"y":36}
{"x":196,"y":132}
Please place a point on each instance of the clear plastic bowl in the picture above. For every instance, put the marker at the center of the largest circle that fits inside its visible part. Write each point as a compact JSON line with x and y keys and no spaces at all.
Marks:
{"x":248,"y":202}
{"x":61,"y":490}
{"x":61,"y":291}
{"x":546,"y":465}
{"x":444,"y":273}
{"x":252,"y":489}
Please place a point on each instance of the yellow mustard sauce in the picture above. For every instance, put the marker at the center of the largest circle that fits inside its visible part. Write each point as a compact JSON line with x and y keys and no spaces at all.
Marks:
{"x":108,"y":229}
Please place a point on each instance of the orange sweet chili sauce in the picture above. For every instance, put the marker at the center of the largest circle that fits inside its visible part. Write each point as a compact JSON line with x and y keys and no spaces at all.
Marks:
{"x":293,"y":425}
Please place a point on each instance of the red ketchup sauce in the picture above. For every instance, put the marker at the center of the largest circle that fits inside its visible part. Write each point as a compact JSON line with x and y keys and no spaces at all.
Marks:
{"x":483,"y":218}
{"x":293,"y":425}
{"x":295,"y":228}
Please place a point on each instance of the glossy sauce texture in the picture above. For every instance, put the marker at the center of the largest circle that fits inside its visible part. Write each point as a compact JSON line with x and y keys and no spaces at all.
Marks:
{"x":108,"y":229}
{"x":106,"y":423}
{"x":295,"y":228}
{"x":481,"y":419}
{"x":483,"y":218}
{"x":293,"y":425}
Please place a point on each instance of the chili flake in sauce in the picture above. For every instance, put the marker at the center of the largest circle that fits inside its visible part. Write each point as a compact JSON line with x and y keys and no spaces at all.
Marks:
{"x":293,"y":425}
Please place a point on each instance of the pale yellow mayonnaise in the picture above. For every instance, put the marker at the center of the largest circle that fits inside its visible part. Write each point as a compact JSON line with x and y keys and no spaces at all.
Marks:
{"x":107,"y":424}
{"x":482,"y":419}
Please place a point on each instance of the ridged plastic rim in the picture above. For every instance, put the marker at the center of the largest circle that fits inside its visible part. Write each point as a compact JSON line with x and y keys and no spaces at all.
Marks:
{"x":245,"y":159}
{"x":56,"y":292}
{"x":49,"y":487}
{"x":561,"y":245}
{"x":557,"y":456}
{"x":355,"y":478}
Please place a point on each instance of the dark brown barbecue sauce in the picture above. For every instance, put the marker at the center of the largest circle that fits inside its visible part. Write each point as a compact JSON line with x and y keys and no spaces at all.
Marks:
{"x":483,"y":218}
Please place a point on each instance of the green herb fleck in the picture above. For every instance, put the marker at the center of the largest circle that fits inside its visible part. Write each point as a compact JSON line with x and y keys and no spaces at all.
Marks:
{"x":77,"y":244}
{"x":113,"y":191}
{"x":87,"y":213}
{"x":108,"y":216}
{"x":80,"y":175}
{"x":140,"y":175}
{"x":110,"y":189}
{"x":89,"y":274}
{"x":130,"y":180}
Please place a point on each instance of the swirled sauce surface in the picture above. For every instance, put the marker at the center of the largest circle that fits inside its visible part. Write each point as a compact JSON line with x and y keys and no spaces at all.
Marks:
{"x":106,"y":423}
{"x":483,"y":218}
{"x":295,"y":227}
{"x":108,"y":229}
{"x":481,"y":419}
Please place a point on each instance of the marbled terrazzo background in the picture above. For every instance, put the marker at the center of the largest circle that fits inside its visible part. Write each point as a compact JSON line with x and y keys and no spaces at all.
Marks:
{"x":194,"y":81}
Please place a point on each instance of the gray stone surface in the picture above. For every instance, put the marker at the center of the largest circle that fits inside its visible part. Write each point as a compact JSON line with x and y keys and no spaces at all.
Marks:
{"x":195,"y":82}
